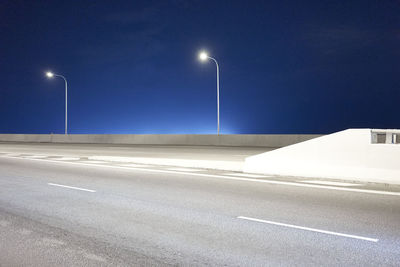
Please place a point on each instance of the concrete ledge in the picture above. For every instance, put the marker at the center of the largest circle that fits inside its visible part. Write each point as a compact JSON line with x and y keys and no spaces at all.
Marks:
{"x":249,"y":140}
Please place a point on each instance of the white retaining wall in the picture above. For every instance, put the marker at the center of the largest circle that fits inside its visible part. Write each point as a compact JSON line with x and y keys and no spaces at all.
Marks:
{"x":348,"y":154}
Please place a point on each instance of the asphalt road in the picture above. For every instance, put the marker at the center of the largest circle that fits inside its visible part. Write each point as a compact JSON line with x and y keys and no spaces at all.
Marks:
{"x":68,"y":212}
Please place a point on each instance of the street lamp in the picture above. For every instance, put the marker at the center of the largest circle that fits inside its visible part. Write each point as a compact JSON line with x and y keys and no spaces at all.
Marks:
{"x":203,"y":56}
{"x":50,"y":74}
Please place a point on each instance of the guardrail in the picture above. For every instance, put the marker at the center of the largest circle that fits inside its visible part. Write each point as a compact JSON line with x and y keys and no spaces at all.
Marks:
{"x":380,"y":136}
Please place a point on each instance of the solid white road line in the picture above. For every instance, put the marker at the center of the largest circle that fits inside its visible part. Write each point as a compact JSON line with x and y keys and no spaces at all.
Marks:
{"x":66,"y":158}
{"x":356,"y":190}
{"x":92,"y":161}
{"x":184,"y":169}
{"x":246,"y":175}
{"x":73,"y":187}
{"x":133,"y":165}
{"x":329,"y":183}
{"x":36,"y":157}
{"x":310,"y":229}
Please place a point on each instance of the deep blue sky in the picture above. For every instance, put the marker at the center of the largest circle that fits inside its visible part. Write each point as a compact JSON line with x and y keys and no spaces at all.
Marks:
{"x":286,"y":66}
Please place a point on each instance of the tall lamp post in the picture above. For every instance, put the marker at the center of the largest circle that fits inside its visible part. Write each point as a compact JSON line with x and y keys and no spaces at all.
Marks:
{"x":49,"y":74}
{"x":203,"y":56}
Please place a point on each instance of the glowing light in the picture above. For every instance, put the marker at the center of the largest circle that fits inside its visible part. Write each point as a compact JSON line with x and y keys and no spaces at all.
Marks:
{"x":203,"y":56}
{"x":49,"y":74}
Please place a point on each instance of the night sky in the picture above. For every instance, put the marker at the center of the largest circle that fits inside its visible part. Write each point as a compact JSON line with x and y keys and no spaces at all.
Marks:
{"x":132,"y":66}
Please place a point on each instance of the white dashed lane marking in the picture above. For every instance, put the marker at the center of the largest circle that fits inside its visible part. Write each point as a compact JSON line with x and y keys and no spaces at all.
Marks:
{"x":310,"y":229}
{"x":73,"y":187}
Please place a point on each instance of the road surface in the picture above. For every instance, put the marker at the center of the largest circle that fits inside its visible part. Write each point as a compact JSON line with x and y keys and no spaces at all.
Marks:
{"x":70,"y":211}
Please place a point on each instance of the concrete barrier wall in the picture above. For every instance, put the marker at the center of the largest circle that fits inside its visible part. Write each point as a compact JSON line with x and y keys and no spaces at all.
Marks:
{"x":250,"y":140}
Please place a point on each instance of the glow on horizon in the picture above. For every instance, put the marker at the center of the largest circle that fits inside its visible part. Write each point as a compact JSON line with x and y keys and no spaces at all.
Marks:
{"x":144,"y":130}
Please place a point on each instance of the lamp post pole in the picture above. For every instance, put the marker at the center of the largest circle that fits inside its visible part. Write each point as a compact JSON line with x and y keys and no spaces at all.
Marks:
{"x":203,"y":56}
{"x":51,"y":75}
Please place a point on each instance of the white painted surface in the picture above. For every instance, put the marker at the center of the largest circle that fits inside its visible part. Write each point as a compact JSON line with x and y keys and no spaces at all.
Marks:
{"x":36,"y":157}
{"x":189,"y":163}
{"x":184,"y":169}
{"x":93,"y":161}
{"x":344,"y":155}
{"x":65,"y":158}
{"x":134,"y":165}
{"x":310,"y":229}
{"x":246,"y":175}
{"x":329,"y":183}
{"x":73,"y":187}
